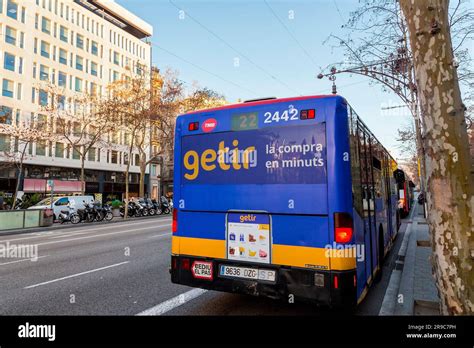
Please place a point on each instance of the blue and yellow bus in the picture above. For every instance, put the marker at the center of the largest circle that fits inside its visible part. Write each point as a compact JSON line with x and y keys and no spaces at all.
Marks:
{"x":287,"y":198}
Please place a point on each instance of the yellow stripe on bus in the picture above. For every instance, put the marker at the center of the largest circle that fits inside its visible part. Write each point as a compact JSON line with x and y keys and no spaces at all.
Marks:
{"x":285,"y":255}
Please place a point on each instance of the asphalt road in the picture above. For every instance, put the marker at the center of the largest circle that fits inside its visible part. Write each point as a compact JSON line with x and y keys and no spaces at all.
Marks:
{"x":122,"y":269}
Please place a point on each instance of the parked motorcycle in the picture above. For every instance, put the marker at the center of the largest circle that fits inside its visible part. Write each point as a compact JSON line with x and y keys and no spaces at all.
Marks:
{"x":148,"y":206}
{"x":65,"y":215}
{"x":165,"y":205}
{"x":134,"y":209}
{"x":103,"y":212}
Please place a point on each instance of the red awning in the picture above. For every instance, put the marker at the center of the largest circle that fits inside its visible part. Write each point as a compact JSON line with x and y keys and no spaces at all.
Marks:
{"x":60,"y":186}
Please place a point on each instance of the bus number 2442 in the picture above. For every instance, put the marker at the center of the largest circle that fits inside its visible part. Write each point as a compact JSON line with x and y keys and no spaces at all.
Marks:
{"x":287,"y":115}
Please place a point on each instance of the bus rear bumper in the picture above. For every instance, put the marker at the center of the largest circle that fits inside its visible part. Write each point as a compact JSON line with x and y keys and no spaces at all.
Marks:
{"x":333,"y":288}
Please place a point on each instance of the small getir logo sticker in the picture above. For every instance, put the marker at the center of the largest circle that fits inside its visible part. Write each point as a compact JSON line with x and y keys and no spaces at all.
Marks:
{"x":209,"y":125}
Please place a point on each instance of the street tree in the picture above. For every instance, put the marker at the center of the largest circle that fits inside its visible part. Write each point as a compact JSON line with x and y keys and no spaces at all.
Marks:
{"x":450,"y":185}
{"x":81,"y":121}
{"x":24,"y":133}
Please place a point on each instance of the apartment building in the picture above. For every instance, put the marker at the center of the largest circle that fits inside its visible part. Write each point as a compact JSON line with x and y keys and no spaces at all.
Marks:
{"x":80,"y":46}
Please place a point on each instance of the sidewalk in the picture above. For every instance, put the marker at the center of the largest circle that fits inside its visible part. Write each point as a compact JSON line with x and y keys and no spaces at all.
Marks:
{"x":57,"y":225}
{"x":412,"y":289}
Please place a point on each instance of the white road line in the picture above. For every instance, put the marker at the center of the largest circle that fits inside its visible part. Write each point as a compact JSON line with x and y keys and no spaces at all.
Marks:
{"x":173,"y":303}
{"x":100,"y":235}
{"x":8,"y":263}
{"x":79,"y":229}
{"x":160,"y":235}
{"x":75,"y":275}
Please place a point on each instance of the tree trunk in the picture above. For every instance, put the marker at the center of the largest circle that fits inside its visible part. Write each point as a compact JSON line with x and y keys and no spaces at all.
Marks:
{"x":83,"y":181}
{"x":447,"y":164}
{"x":142,"y":174}
{"x":20,"y":172}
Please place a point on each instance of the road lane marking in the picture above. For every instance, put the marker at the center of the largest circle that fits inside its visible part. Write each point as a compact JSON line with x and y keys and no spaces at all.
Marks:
{"x":75,"y":275}
{"x":160,"y":235}
{"x":100,"y":235}
{"x":7,"y":263}
{"x":63,"y":231}
{"x":173,"y":303}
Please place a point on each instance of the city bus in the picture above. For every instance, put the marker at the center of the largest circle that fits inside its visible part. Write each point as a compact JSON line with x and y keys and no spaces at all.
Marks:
{"x":292,"y":199}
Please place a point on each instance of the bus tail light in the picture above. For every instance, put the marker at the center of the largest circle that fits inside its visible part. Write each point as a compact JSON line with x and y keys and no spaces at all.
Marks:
{"x":336,"y":282}
{"x":185,"y":264}
{"x":342,"y":228}
{"x":174,"y":225}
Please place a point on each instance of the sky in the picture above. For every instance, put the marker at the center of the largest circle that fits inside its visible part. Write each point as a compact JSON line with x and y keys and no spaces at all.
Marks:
{"x":246,"y":49}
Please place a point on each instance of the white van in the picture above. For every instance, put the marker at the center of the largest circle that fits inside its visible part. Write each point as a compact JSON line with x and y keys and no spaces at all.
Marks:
{"x":60,"y":203}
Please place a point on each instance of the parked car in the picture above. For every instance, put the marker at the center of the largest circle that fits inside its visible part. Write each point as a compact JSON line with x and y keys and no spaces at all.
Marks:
{"x":60,"y":203}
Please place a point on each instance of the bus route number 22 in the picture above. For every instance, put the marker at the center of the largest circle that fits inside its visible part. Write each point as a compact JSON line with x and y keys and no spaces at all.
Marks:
{"x":287,"y":115}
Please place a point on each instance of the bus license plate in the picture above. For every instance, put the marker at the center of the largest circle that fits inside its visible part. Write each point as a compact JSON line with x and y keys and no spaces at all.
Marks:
{"x":247,"y":273}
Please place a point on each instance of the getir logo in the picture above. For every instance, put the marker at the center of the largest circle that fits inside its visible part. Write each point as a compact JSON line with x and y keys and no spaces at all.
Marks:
{"x":224,"y":157}
{"x":247,"y":218}
{"x":209,"y":125}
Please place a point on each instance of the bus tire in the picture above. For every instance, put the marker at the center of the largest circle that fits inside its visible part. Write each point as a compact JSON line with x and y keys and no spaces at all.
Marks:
{"x":380,"y":256}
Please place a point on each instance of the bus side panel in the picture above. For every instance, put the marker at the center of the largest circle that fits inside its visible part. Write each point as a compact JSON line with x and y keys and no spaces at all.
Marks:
{"x":361,"y":261}
{"x":339,"y":165}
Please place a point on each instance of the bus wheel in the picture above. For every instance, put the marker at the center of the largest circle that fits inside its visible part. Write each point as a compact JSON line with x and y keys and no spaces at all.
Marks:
{"x":378,"y":276}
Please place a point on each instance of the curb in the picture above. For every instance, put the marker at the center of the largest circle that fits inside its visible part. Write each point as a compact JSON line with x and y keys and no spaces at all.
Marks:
{"x":58,"y":226}
{"x":390,"y":302}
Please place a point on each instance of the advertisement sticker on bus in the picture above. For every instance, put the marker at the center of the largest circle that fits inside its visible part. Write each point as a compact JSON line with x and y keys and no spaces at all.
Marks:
{"x":279,"y":155}
{"x":248,"y":237}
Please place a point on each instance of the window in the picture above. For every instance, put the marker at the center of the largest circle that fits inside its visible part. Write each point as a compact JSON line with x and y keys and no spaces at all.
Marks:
{"x":36,"y":21}
{"x":12,"y":9}
{"x":10,"y":35}
{"x":62,"y":77}
{"x":45,"y":25}
{"x":94,"y":68}
{"x":20,"y":65}
{"x":114,"y":157}
{"x":116,"y":58}
{"x":62,"y":56}
{"x":45,"y":47}
{"x":6,"y":115}
{"x":41,"y":148}
{"x":79,"y":63}
{"x":44,"y":73}
{"x":9,"y":62}
{"x":33,"y":95}
{"x":116,"y":76}
{"x":7,"y":88}
{"x":91,"y":154}
{"x":61,"y":102}
{"x":75,"y":153}
{"x":80,"y":41}
{"x":43,"y":97}
{"x":22,"y":39}
{"x":63,"y":33}
{"x":19,"y":88}
{"x":59,"y":151}
{"x":93,"y":88}
{"x":94,"y":48}
{"x":4,"y":142}
{"x":23,"y":14}
{"x":78,"y":86}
